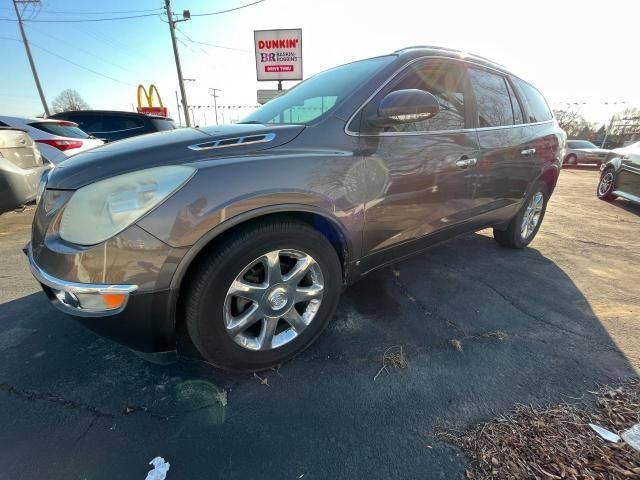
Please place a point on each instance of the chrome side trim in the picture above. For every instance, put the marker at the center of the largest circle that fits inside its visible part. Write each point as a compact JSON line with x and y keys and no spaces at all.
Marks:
{"x":439,"y":132}
{"x":237,"y":141}
{"x":72,"y":287}
{"x":627,"y":196}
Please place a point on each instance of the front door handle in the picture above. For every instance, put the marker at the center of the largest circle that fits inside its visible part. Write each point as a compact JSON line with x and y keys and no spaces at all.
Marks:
{"x":466,"y":162}
{"x":528,"y":152}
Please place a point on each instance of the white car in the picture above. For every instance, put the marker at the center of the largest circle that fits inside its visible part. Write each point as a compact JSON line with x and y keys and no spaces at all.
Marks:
{"x":631,"y":151}
{"x":56,"y":139}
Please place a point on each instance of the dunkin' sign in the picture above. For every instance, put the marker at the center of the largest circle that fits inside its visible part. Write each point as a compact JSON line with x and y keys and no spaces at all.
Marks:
{"x":278,"y":54}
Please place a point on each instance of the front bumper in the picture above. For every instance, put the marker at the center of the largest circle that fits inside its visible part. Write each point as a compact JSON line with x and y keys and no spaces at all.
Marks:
{"x":144,"y":321}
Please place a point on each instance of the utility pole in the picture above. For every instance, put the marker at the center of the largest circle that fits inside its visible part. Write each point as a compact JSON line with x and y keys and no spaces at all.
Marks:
{"x":215,"y":101}
{"x":172,"y":29}
{"x":26,"y":46}
{"x":178,"y":108}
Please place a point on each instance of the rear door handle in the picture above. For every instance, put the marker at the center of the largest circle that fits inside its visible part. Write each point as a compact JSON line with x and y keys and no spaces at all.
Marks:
{"x":528,"y":151}
{"x":465,"y":162}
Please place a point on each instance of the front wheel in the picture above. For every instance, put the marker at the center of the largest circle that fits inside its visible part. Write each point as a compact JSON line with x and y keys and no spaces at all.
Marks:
{"x":523,"y":228}
{"x":263,"y":296}
{"x":605,"y":186}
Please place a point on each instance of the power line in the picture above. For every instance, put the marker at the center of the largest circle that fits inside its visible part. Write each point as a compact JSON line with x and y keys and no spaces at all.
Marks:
{"x":94,"y":13}
{"x":72,"y":62}
{"x":226,"y":11}
{"x":158,"y":13}
{"x":210,"y":44}
{"x":90,"y":19}
{"x":77,"y":47}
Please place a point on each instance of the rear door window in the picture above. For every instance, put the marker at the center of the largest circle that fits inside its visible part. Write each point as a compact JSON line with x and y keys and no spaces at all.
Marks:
{"x":121,"y":123}
{"x":494,"y":108}
{"x":90,"y":123}
{"x":61,"y":128}
{"x":537,"y":106}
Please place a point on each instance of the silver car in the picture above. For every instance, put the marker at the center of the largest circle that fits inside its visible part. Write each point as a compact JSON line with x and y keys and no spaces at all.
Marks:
{"x":582,"y":151}
{"x":21,"y":167}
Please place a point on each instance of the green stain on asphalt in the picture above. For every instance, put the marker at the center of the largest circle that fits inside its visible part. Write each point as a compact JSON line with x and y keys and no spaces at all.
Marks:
{"x":202,"y":400}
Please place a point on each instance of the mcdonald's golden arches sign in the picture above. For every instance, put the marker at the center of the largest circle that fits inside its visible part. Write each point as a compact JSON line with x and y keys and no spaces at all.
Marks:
{"x":150,"y":108}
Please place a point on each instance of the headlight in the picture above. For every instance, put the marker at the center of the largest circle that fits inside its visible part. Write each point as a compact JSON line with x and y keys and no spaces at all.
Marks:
{"x":105,"y":208}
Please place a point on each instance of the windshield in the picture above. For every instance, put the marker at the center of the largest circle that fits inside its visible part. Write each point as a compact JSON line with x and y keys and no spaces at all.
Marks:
{"x":318,"y":95}
{"x":581,"y":144}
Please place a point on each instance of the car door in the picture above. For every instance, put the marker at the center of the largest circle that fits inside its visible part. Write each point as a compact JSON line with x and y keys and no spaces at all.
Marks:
{"x":507,"y":162}
{"x":419,"y":175}
{"x":629,"y":176}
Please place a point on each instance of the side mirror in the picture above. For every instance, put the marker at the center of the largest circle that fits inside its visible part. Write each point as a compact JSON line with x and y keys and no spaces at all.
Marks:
{"x":405,"y":106}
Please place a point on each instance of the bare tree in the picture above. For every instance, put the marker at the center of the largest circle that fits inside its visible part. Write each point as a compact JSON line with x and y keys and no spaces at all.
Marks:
{"x":572,"y":122}
{"x":69,"y":100}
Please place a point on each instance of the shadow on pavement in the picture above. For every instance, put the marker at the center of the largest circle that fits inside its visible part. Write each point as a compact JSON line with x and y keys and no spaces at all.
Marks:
{"x":77,"y":406}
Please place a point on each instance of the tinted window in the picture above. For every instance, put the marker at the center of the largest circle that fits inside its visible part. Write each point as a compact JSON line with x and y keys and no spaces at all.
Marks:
{"x":62,"y":129}
{"x":162,"y":124}
{"x":2,"y":124}
{"x":537,"y":106}
{"x":319,"y":94}
{"x":119,"y":123}
{"x":492,"y":99}
{"x":88,"y":123}
{"x":443,"y":80}
{"x":515,"y":104}
{"x":580,"y":144}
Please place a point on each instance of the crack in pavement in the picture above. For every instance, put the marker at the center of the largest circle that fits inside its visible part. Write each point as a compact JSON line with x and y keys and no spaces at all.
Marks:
{"x":422,"y":307}
{"x":33,"y":395}
{"x":586,"y":242}
{"x":531,"y":315}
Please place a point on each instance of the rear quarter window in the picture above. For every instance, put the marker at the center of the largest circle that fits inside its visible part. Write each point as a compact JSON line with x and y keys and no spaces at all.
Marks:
{"x":161,"y":124}
{"x":538,"y":110}
{"x":61,"y":128}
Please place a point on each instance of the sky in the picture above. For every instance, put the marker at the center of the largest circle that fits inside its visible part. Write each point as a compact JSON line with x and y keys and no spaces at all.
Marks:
{"x":573,"y":51}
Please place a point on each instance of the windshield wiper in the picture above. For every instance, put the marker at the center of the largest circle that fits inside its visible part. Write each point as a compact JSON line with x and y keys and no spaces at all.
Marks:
{"x":251,"y":122}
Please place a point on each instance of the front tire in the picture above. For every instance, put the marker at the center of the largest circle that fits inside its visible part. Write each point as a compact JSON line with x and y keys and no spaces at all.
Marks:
{"x":264,"y":296}
{"x":523,"y":228}
{"x":571,"y":160}
{"x":606,"y":185}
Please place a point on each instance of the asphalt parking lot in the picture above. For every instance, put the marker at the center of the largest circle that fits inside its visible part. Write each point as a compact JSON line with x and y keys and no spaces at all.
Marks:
{"x":483,"y":328}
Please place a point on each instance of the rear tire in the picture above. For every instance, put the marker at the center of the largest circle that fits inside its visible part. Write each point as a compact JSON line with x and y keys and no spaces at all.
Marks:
{"x":524,"y":226}
{"x":605,"y":185}
{"x":243,"y":308}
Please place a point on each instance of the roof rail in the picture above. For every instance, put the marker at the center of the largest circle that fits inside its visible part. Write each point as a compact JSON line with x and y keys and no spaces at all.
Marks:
{"x":446,"y":49}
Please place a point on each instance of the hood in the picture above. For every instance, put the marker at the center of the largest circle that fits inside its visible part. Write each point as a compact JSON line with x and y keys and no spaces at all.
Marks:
{"x":173,"y":147}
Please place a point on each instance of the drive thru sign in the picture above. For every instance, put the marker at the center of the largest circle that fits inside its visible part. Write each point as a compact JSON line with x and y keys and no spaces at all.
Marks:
{"x":278,"y":54}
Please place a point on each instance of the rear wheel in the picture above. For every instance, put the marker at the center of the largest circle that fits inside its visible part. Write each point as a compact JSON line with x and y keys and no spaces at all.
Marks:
{"x":605,"y":185}
{"x":523,"y":228}
{"x":264,"y":296}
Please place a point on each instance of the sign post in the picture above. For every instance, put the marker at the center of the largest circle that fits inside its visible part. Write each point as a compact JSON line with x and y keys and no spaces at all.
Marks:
{"x":278,"y":55}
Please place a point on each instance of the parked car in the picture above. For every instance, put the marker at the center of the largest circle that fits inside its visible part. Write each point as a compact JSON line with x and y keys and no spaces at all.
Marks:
{"x":621,"y":175}
{"x":21,"y":167}
{"x":56,"y":139}
{"x":582,"y":151}
{"x":249,"y":232}
{"x":114,"y":125}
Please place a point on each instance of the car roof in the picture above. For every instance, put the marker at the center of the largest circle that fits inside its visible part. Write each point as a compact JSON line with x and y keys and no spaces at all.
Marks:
{"x":7,"y":118}
{"x":435,"y":50}
{"x":111,"y":112}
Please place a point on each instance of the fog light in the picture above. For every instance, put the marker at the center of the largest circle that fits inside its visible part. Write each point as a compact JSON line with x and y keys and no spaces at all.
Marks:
{"x":100,"y":302}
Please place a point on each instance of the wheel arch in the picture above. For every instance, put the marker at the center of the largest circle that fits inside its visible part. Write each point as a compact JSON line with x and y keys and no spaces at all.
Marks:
{"x":321,"y":221}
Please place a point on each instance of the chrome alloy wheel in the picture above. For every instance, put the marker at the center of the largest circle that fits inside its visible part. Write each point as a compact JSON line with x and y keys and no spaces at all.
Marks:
{"x":605,"y":184}
{"x":531,"y":215}
{"x":273,"y":299}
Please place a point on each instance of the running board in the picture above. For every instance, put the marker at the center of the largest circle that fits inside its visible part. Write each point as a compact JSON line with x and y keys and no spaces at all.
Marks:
{"x":627,"y":196}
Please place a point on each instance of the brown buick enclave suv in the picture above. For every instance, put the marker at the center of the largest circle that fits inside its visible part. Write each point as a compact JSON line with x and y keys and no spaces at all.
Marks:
{"x":247,"y":233}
